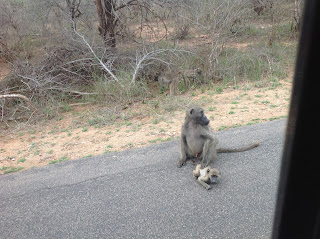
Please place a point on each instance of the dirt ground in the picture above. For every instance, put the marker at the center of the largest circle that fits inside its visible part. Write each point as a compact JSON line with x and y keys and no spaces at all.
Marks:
{"x":60,"y":140}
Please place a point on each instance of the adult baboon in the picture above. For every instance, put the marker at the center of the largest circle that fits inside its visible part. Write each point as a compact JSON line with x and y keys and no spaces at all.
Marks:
{"x":198,"y":141}
{"x":206,"y":176}
{"x":166,"y":79}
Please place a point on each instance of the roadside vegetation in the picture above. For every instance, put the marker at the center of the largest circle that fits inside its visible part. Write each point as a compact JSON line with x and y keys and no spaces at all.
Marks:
{"x":77,"y":66}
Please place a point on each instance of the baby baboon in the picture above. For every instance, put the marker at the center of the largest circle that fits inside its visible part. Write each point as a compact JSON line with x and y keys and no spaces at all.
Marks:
{"x":166,"y":79}
{"x":198,"y":141}
{"x":206,"y":176}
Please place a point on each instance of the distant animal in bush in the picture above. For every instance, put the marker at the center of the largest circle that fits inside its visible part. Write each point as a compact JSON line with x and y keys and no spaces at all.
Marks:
{"x":192,"y":76}
{"x":259,"y":6}
{"x":172,"y":78}
{"x":168,"y":79}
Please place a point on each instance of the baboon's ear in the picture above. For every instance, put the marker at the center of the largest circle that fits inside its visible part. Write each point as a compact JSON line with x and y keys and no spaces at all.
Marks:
{"x":191,"y":111}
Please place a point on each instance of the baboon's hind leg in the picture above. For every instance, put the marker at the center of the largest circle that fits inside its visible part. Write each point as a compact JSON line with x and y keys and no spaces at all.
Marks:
{"x":203,"y":183}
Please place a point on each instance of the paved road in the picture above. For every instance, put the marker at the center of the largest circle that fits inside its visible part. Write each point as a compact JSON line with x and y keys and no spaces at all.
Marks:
{"x":141,"y":193}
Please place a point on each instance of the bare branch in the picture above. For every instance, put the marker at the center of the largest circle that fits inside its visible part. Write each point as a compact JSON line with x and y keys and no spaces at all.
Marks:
{"x":131,"y":2}
{"x":80,"y":93}
{"x":95,"y":55}
{"x":28,"y":101}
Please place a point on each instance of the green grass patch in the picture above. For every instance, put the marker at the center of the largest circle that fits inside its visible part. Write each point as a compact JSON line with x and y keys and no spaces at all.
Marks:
{"x":10,"y":169}
{"x":219,"y":89}
{"x":62,"y":159}
{"x":155,"y":140}
{"x":22,"y":160}
{"x":223,"y":127}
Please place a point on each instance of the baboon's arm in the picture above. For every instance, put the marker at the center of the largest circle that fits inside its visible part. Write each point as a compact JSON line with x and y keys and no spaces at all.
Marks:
{"x":183,"y":144}
{"x":205,"y":133}
{"x":209,"y":152}
{"x":196,"y":171}
{"x":183,"y":150}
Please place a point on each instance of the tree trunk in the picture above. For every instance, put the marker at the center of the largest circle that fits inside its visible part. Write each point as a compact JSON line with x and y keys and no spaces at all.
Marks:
{"x":111,"y":23}
{"x":296,"y":15}
{"x":107,"y":21}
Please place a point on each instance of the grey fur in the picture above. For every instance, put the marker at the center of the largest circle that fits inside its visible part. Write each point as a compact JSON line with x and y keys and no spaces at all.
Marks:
{"x":193,"y":76}
{"x":206,"y":175}
{"x":198,"y":141}
{"x":166,"y":79}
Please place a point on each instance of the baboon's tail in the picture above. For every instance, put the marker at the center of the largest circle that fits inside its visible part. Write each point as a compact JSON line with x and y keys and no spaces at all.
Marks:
{"x":241,"y":149}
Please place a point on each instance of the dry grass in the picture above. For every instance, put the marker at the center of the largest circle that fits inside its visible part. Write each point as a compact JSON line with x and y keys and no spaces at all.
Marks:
{"x":84,"y":131}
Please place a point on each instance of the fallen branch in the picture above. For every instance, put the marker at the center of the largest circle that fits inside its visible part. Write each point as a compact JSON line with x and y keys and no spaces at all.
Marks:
{"x":77,"y":104}
{"x":80,"y":93}
{"x":28,"y":101}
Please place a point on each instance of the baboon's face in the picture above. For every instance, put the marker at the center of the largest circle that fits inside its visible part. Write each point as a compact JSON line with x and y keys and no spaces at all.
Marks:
{"x":198,"y":115}
{"x":213,"y":175}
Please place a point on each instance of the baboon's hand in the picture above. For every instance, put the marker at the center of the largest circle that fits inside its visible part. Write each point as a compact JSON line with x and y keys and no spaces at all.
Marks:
{"x":181,"y":163}
{"x":208,"y":187}
{"x":204,"y":163}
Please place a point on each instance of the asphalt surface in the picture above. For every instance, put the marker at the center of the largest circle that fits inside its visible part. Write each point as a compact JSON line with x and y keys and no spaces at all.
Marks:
{"x":140,"y":193}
